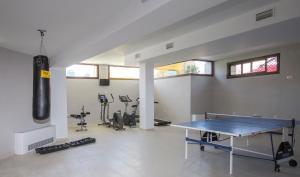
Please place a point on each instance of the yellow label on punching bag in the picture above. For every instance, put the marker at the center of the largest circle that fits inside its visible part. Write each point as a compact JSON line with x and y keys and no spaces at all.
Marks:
{"x":45,"y":74}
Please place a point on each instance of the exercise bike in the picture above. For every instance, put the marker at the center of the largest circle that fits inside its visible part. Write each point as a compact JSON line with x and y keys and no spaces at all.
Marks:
{"x":81,"y":117}
{"x":128,"y":119}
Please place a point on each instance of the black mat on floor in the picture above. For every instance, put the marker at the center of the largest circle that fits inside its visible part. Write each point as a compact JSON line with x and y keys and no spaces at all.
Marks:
{"x":60,"y":147}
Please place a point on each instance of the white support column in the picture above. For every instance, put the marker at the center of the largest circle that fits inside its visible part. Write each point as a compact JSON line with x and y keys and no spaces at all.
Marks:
{"x":146,"y":95}
{"x":59,"y":101}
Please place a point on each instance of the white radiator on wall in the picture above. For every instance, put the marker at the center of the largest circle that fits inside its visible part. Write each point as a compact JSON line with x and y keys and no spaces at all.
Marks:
{"x":29,"y":140}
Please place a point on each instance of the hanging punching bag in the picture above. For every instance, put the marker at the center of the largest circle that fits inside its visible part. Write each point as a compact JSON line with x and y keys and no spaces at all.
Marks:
{"x":41,"y":87}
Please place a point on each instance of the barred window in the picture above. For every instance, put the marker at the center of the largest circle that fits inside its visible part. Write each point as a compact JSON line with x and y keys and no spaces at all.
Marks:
{"x":264,"y":65}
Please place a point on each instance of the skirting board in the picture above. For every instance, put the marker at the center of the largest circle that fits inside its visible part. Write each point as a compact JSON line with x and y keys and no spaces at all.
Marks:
{"x":4,"y":156}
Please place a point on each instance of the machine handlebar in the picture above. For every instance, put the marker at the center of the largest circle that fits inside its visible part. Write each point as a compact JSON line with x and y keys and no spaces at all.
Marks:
{"x":112,"y":98}
{"x":129,"y":100}
{"x":103,"y":99}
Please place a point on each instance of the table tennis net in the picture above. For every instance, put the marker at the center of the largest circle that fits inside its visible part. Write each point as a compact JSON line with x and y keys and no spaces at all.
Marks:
{"x":219,"y":116}
{"x":247,"y":119}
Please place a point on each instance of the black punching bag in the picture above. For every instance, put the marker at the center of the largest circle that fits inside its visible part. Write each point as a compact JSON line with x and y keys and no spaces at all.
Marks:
{"x":41,"y":87}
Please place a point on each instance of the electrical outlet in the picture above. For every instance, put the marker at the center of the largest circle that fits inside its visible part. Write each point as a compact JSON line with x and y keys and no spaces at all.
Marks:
{"x":289,"y":77}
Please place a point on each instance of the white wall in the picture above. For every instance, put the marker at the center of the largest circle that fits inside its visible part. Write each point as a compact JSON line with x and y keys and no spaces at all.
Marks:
{"x":181,"y":97}
{"x":270,"y":95}
{"x":201,"y":94}
{"x":174,"y":97}
{"x":85,"y":92}
{"x":15,"y":98}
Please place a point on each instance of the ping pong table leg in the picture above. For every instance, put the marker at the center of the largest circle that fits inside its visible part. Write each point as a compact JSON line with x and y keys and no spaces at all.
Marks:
{"x":231,"y":154}
{"x":186,"y":143}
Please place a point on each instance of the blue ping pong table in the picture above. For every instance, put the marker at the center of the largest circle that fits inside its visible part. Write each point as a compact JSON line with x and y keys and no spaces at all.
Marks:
{"x":234,"y":126}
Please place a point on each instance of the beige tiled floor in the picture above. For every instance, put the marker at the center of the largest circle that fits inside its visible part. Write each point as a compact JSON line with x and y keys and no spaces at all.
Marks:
{"x":138,"y":153}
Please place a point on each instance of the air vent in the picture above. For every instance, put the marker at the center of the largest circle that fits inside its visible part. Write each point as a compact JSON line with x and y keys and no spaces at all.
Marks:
{"x":169,"y":45}
{"x":138,"y":55}
{"x":264,"y":15}
{"x":40,"y":143}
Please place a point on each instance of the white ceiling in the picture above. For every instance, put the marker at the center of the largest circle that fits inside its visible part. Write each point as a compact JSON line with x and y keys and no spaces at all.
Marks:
{"x":79,"y":29}
{"x":203,"y":19}
{"x":65,"y":21}
{"x":70,"y":23}
{"x":244,"y":32}
{"x":112,"y":57}
{"x":222,"y":11}
{"x":276,"y":35}
{"x":108,"y":30}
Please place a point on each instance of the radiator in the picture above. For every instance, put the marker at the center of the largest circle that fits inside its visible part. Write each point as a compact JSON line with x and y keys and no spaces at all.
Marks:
{"x":29,"y":140}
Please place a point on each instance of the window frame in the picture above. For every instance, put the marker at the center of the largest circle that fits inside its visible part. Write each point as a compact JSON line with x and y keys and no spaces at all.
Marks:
{"x":74,"y":77}
{"x":122,"y":67}
{"x":251,"y":60}
{"x":190,"y":74}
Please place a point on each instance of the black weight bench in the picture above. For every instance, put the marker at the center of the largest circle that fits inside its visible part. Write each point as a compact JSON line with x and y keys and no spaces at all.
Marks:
{"x":81,"y":117}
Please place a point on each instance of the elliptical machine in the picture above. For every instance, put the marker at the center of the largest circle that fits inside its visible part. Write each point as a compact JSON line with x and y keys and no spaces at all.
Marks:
{"x":135,"y":108}
{"x":128,"y":119}
{"x":116,"y":122}
{"x":104,"y":109}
